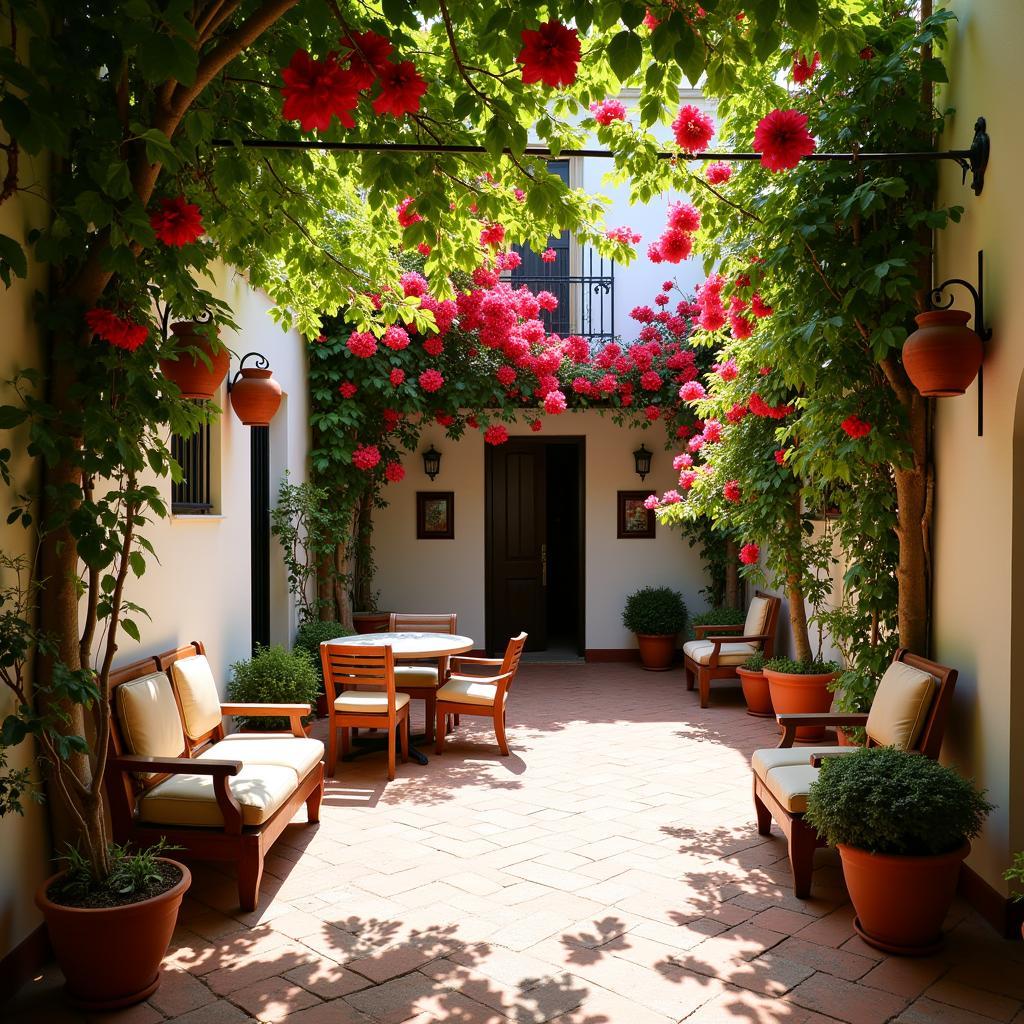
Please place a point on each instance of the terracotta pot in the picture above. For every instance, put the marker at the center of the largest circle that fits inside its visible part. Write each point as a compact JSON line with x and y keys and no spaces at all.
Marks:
{"x":255,"y":397}
{"x":901,"y":902}
{"x":756,"y":693}
{"x":371,"y":622}
{"x":111,"y":956}
{"x":195,"y":379}
{"x":843,"y":738}
{"x":794,"y":694}
{"x":656,"y":652}
{"x":943,"y":355}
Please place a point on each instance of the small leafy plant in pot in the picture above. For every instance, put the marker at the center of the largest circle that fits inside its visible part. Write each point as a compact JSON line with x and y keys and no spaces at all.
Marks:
{"x":657,"y":615}
{"x":756,"y":691}
{"x":801,"y":687}
{"x":273,"y":676}
{"x":1015,"y":875}
{"x":902,"y":824}
{"x":110,"y":935}
{"x":721,"y":616}
{"x":308,"y":638}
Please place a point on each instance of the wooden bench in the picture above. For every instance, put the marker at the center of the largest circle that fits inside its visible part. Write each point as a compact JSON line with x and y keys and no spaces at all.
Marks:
{"x":174,"y":772}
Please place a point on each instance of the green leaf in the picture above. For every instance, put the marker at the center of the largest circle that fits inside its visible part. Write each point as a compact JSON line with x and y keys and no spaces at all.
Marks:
{"x":11,"y":415}
{"x":802,"y":15}
{"x":131,"y":629}
{"x":12,"y":260}
{"x":625,"y":52}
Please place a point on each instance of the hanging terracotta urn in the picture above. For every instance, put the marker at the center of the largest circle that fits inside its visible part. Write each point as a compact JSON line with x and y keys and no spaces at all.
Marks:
{"x":255,"y":397}
{"x":943,"y":355}
{"x":195,"y":377}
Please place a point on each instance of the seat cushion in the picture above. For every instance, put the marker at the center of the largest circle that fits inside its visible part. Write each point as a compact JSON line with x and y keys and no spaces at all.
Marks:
{"x":467,"y":690}
{"x":790,"y":785}
{"x":729,"y":653}
{"x":901,"y":705}
{"x":260,"y":789}
{"x":148,"y":715}
{"x":416,"y":675}
{"x":765,"y":760}
{"x":368,"y":702}
{"x":298,"y":753}
{"x":757,"y":617}
{"x":197,"y":692}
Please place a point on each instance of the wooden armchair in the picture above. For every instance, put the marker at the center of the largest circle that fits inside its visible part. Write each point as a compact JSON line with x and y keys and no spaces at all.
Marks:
{"x":174,"y":773}
{"x":421,"y":681}
{"x":717,"y":651}
{"x":485,"y":695}
{"x":909,"y":711}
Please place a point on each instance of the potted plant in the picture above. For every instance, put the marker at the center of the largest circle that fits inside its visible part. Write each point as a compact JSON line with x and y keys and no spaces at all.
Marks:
{"x":943,"y":356}
{"x":656,"y":615}
{"x":273,"y":676}
{"x":854,"y":690}
{"x":756,"y":691}
{"x":721,"y":616}
{"x":902,"y":824}
{"x":801,"y":687}
{"x":197,"y":361}
{"x":310,"y":635}
{"x":1015,"y":873}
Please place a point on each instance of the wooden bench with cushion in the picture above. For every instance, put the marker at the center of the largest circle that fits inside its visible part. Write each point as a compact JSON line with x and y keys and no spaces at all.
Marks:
{"x":909,"y":711}
{"x":175,"y":773}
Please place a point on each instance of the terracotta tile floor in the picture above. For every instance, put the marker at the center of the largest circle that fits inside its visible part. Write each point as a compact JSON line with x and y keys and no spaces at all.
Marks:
{"x":607,"y":873}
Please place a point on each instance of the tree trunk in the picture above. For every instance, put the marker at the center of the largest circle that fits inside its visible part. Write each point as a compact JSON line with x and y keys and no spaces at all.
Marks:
{"x":362,"y":594}
{"x":913,"y":530}
{"x":733,"y":584}
{"x":794,"y":583}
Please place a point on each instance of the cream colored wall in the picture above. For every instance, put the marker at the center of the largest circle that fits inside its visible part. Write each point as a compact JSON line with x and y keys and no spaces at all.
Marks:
{"x":979,"y":518}
{"x":443,"y":575}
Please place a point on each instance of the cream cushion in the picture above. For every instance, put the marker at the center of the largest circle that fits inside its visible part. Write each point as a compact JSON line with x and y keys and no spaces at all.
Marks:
{"x":757,"y":617}
{"x":790,"y":784}
{"x":148,"y":715}
{"x":416,"y":675}
{"x":466,"y":690}
{"x":902,"y":701}
{"x":729,"y":653}
{"x":190,"y":799}
{"x":368,"y":702}
{"x":300,"y":754}
{"x":765,"y":760}
{"x":197,"y":692}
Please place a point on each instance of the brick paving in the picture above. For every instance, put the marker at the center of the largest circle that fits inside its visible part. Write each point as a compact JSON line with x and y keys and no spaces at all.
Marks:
{"x":608,"y":872}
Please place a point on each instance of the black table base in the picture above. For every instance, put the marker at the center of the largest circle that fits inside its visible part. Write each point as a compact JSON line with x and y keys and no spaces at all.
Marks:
{"x":374,"y":743}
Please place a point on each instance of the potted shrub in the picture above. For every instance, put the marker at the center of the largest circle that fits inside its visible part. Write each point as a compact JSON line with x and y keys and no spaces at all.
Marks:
{"x":273,"y":676}
{"x":854,"y":691}
{"x":1015,"y":874}
{"x":718,"y":617}
{"x":755,"y":687}
{"x":902,"y":824}
{"x":657,"y":615}
{"x":801,"y":687}
{"x":311,"y":634}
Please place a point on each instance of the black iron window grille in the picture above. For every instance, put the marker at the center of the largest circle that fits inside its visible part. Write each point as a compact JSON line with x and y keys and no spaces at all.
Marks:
{"x":193,"y":495}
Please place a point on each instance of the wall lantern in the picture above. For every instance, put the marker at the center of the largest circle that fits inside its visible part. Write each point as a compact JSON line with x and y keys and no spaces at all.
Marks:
{"x":943,"y":356}
{"x":642,"y":458}
{"x":431,"y":462}
{"x":255,"y":395}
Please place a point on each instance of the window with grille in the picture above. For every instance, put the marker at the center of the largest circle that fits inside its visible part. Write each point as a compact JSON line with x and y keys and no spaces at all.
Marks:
{"x":193,"y":496}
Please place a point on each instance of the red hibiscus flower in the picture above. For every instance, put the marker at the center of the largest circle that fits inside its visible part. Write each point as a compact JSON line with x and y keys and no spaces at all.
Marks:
{"x":348,"y":389}
{"x":431,"y":380}
{"x":607,"y":111}
{"x":316,"y":90}
{"x":803,"y":71}
{"x":116,"y":330}
{"x":407,"y":217}
{"x":368,"y":57}
{"x":548,"y":255}
{"x":718,"y":173}
{"x":400,"y":89}
{"x":782,"y":139}
{"x":550,"y":54}
{"x":855,"y":427}
{"x":535,"y":425}
{"x":365,"y":457}
{"x":394,"y":472}
{"x":693,"y":130}
{"x":361,"y":344}
{"x":396,"y":377}
{"x":496,"y":434}
{"x":749,"y":554}
{"x":177,"y":222}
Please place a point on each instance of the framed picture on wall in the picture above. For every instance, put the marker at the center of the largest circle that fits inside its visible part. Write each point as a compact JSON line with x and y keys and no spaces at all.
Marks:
{"x":633,"y":519}
{"x":435,"y":515}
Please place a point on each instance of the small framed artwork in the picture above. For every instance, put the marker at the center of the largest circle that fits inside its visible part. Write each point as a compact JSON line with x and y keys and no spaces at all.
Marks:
{"x":634,"y":519}
{"x":435,"y":515}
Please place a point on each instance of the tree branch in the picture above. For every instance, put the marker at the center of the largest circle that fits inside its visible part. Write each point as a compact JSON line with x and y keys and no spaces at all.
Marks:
{"x":463,"y":73}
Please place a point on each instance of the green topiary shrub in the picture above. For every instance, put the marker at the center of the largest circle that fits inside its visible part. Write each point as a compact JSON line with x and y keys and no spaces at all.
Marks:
{"x":755,"y":663}
{"x":655,"y":611}
{"x":884,"y":800}
{"x":273,"y":676}
{"x":311,"y":634}
{"x":800,"y":668}
{"x":718,"y":617}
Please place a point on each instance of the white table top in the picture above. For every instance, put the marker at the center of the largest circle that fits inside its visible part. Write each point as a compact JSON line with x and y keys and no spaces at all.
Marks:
{"x":411,"y":646}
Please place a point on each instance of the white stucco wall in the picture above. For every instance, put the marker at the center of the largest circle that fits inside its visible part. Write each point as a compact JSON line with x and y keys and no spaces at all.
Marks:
{"x":448,"y":575}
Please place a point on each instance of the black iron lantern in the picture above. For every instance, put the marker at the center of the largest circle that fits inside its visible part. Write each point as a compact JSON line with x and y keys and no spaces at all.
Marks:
{"x":642,"y":457}
{"x":431,"y":462}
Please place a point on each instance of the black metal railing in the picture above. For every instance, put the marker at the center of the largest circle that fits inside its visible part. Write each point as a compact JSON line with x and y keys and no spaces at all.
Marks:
{"x":193,"y":495}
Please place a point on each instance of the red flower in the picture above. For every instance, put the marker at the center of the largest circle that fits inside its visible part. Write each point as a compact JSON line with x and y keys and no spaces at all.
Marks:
{"x":431,"y":380}
{"x":548,"y":255}
{"x":675,"y":245}
{"x":177,"y":222}
{"x":423,"y":249}
{"x":867,"y":53}
{"x":718,"y":173}
{"x":496,"y":434}
{"x":550,"y":54}
{"x":396,"y":376}
{"x":394,"y":472}
{"x":444,"y":419}
{"x":401,"y":87}
{"x":802,"y":71}
{"x":493,"y":235}
{"x":547,"y":301}
{"x":684,"y":216}
{"x":749,"y":554}
{"x":554,"y":402}
{"x":651,"y":381}
{"x":348,"y":389}
{"x":693,"y":130}
{"x":759,"y":307}
{"x":782,"y":139}
{"x":365,"y":457}
{"x":433,"y":346}
{"x":368,"y":57}
{"x":407,"y":217}
{"x":362,"y":344}
{"x":607,"y":111}
{"x":855,"y":427}
{"x":115,"y":330}
{"x":692,"y":391}
{"x":625,"y":235}
{"x":650,"y":23}
{"x":413,"y":284}
{"x":654,"y":253}
{"x":780,"y":456}
{"x":316,"y":90}
{"x":535,"y":425}
{"x":396,"y":337}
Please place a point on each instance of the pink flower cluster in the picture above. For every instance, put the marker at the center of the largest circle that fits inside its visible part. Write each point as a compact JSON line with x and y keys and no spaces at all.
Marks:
{"x":608,"y":110}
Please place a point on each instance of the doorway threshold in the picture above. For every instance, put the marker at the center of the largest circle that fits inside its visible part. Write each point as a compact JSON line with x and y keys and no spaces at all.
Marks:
{"x":553,"y":656}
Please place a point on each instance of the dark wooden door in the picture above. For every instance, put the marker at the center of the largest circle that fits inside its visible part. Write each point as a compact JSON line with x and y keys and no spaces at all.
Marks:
{"x":516,"y":545}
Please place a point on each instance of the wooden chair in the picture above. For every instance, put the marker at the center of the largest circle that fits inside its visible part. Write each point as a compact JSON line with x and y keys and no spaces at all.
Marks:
{"x":909,"y":711}
{"x":421,"y":680}
{"x":352,"y":665}
{"x":174,"y":773}
{"x":718,"y":656}
{"x":480,"y":695}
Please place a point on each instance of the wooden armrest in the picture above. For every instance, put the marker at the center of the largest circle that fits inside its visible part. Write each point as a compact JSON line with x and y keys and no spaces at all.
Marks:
{"x":816,"y":759}
{"x":719,"y":640}
{"x":293,"y":712}
{"x":700,"y":631}
{"x":173,"y":765}
{"x":790,"y":723}
{"x":473,"y":661}
{"x":497,"y":680}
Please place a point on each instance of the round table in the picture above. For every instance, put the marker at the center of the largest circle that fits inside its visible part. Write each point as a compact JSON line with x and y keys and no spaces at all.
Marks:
{"x":410,"y":646}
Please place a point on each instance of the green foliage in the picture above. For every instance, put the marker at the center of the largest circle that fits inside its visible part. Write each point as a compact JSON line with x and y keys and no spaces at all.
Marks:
{"x":655,"y":611}
{"x":755,"y":663}
{"x":274,"y":676}
{"x":721,"y":616}
{"x":133,"y":875}
{"x":885,"y":800}
{"x":311,"y":634}
{"x":1015,"y":874}
{"x":800,"y":668}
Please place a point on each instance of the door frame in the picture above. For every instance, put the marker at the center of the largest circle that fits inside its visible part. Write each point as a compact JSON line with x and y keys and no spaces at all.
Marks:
{"x":495,"y":644}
